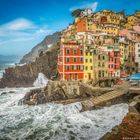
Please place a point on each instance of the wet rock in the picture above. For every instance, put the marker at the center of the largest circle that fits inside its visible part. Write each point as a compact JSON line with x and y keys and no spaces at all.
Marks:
{"x":3,"y":93}
{"x":11,"y":92}
{"x":87,"y":105}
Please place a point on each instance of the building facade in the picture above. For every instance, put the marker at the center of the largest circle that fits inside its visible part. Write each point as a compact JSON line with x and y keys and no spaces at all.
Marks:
{"x":71,"y":62}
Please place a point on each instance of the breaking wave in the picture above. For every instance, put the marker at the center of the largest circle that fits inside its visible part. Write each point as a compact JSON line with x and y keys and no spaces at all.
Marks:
{"x":41,"y":81}
{"x":54,"y":121}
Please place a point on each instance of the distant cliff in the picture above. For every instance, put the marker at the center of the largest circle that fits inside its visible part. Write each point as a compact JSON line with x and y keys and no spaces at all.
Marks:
{"x":24,"y":76}
{"x":42,"y":46}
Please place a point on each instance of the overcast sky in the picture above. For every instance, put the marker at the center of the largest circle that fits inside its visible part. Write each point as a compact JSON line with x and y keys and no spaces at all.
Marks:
{"x":24,"y":23}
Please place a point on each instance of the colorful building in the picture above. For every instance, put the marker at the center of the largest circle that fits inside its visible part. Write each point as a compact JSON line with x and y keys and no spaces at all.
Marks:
{"x":88,"y":63}
{"x":99,"y":45}
{"x":71,"y":62}
{"x":137,"y":55}
{"x":102,"y":64}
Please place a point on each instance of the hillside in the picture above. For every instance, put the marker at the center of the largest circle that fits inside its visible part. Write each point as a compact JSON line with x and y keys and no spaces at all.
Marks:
{"x":42,"y":46}
{"x":24,"y":76}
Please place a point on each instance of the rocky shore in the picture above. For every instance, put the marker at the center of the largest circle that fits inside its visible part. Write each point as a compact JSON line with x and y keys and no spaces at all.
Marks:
{"x":76,"y":91}
{"x":64,"y":92}
{"x":24,"y":76}
{"x":92,"y":98}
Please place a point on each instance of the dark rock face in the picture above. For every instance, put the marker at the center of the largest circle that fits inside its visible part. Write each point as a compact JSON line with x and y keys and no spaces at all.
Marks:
{"x":41,"y":47}
{"x":24,"y":76}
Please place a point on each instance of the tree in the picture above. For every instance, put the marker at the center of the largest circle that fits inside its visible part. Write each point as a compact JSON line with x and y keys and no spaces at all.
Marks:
{"x":76,"y":12}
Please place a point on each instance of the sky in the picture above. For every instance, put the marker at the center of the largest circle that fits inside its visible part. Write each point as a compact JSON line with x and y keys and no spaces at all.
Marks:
{"x":24,"y":23}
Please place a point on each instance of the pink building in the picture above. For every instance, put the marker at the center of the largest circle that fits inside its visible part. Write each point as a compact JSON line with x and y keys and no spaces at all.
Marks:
{"x":114,"y":63}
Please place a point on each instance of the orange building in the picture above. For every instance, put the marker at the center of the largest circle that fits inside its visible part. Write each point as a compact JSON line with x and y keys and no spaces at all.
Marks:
{"x":81,"y":25}
{"x":71,"y":62}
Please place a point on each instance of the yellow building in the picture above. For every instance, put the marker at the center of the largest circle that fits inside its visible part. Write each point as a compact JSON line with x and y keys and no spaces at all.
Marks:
{"x":137,"y":14}
{"x":131,"y":20}
{"x":108,"y":28}
{"x":108,"y":16}
{"x":123,"y":51}
{"x":88,"y":64}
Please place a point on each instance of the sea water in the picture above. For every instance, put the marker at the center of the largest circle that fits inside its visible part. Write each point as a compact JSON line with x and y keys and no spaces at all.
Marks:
{"x":7,"y":61}
{"x":53,"y":121}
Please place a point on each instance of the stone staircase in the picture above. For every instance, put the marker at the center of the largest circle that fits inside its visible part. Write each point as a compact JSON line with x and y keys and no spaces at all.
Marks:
{"x":89,"y":103}
{"x":106,"y":97}
{"x":94,"y":102}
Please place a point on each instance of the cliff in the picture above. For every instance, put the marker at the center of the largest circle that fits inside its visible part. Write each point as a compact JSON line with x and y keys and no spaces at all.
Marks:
{"x":42,"y":46}
{"x":24,"y":76}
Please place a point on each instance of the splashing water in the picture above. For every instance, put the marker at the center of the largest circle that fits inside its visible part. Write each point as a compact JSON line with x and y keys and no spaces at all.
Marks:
{"x":41,"y":81}
{"x":54,"y":121}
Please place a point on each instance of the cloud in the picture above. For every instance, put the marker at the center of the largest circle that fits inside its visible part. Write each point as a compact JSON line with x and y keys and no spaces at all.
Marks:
{"x":19,"y":24}
{"x":22,"y":29}
{"x":83,"y":5}
{"x":20,"y":35}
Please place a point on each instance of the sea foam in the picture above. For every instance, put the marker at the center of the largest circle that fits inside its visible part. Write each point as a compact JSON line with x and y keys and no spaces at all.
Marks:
{"x":54,"y":121}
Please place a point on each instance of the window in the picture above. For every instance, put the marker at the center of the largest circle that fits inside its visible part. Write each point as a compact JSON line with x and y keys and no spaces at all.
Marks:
{"x":74,"y":68}
{"x":86,"y":67}
{"x":90,"y":53}
{"x":86,"y":53}
{"x":103,"y":73}
{"x":68,"y":59}
{"x":81,"y":67}
{"x":68,"y":51}
{"x":99,"y":74}
{"x":139,"y":55}
{"x":103,"y":57}
{"x":75,"y":51}
{"x":99,"y":57}
{"x":81,"y":51}
{"x":77,"y":67}
{"x":90,"y":60}
{"x":86,"y":60}
{"x":139,"y":50}
{"x":115,"y":54}
{"x":75,"y":59}
{"x":76,"y":76}
{"x":70,"y":76}
{"x":94,"y":51}
{"x":67,"y":67}
{"x":103,"y":64}
{"x":81,"y":59}
{"x":91,"y":67}
{"x":99,"y":64}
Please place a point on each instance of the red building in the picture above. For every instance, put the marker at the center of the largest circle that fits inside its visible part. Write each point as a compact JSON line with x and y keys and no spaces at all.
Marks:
{"x":71,"y":61}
